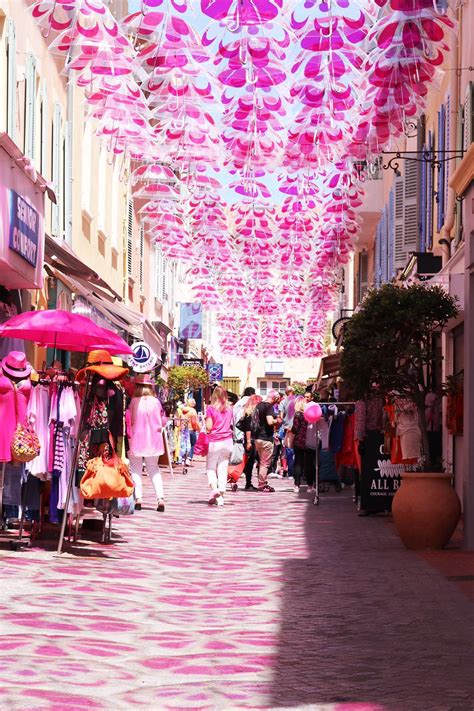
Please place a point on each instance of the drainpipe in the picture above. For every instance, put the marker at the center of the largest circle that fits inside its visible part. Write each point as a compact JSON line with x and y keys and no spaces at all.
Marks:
{"x":450,"y":215}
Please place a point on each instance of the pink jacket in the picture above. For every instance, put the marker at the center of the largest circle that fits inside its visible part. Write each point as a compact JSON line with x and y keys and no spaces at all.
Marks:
{"x":145,"y":420}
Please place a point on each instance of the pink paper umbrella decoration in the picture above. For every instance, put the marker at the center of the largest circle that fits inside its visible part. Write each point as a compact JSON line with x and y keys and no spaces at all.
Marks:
{"x":236,"y":13}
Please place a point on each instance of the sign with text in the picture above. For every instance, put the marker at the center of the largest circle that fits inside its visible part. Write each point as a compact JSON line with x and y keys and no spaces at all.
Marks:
{"x":143,"y":359}
{"x":190,"y":323}
{"x":216,"y":372}
{"x":191,"y":362}
{"x":24,"y":228}
{"x":380,"y":479}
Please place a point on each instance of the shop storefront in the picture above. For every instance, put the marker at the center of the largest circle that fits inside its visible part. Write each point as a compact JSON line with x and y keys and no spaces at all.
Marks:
{"x":22,"y":199}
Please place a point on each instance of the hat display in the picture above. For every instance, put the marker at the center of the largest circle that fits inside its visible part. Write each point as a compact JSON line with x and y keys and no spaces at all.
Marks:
{"x":15,"y":365}
{"x":101,"y":362}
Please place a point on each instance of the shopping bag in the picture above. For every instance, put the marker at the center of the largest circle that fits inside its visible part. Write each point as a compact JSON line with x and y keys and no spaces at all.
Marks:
{"x":201,"y":448}
{"x":123,"y":506}
{"x":237,"y":455}
{"x":106,"y":479}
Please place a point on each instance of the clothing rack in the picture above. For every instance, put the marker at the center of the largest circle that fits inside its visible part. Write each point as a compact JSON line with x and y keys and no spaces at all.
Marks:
{"x":327,"y":404}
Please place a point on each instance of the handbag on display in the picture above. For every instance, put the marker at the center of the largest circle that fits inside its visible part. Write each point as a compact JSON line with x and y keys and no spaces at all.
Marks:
{"x":106,"y":478}
{"x":201,"y":448}
{"x":124,"y":506}
{"x":25,"y":444}
{"x":237,"y":455}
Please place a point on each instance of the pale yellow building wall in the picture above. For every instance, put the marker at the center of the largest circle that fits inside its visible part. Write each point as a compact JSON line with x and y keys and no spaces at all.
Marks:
{"x":250,"y":371}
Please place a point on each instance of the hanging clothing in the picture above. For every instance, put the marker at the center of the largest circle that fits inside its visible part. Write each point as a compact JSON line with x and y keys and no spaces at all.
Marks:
{"x":38,"y":415}
{"x":346,"y":457}
{"x":408,"y":429}
{"x":7,"y":411}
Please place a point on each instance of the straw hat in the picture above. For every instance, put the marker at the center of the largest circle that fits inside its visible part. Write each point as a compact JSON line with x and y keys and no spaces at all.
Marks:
{"x":15,"y":365}
{"x":101,"y":362}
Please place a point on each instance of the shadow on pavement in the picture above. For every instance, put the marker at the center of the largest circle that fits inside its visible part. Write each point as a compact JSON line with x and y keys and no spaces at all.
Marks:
{"x":366,"y":627}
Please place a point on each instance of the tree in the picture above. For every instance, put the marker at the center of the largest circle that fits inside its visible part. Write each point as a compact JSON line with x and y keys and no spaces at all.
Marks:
{"x":389,"y":341}
{"x":182,"y":378}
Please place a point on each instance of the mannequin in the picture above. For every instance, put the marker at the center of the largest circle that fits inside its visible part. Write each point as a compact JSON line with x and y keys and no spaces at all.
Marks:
{"x":15,"y":385}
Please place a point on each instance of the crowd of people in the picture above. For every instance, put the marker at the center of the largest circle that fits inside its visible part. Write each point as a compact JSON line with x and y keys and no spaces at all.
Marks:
{"x":274,"y":436}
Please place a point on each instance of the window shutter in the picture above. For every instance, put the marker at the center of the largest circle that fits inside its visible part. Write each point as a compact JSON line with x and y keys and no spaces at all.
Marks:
{"x":447,"y":143}
{"x":11,"y":80}
{"x":56,"y":170}
{"x":377,"y":256}
{"x":398,"y":244}
{"x":441,"y":170}
{"x":142,"y":256}
{"x":158,"y":271}
{"x":424,"y":170}
{"x":411,"y":228}
{"x":391,"y":235}
{"x":30,"y":106}
{"x":383,"y":247}
{"x":468,"y":132}
{"x":429,"y":195}
{"x":130,"y":239}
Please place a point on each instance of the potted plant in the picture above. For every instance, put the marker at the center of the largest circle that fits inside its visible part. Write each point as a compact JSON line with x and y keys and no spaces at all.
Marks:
{"x":389,"y":341}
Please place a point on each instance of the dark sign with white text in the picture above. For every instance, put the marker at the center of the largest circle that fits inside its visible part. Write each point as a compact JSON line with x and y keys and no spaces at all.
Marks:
{"x":24,"y":228}
{"x":380,"y":479}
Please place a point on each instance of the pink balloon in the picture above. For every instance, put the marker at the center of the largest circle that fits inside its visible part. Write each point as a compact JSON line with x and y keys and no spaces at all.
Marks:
{"x":312,"y":412}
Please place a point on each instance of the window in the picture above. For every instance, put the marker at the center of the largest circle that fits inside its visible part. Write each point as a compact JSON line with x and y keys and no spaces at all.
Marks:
{"x":86,"y":154}
{"x":30,"y":107}
{"x":43,"y":119}
{"x":264,"y":386}
{"x":406,"y":214}
{"x":158,"y":271}
{"x":363,"y":276}
{"x":102,"y":195}
{"x":11,"y":80}
{"x":468,"y":132}
{"x":114,"y":207}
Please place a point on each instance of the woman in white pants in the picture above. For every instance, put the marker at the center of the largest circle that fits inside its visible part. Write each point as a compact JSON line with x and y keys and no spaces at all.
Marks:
{"x":146,"y":419}
{"x":219,"y":429}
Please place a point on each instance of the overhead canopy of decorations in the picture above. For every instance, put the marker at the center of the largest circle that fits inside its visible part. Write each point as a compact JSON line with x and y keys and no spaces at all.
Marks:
{"x":253,"y":99}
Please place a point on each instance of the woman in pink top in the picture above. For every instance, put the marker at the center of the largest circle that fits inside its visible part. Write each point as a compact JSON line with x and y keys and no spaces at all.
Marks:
{"x":218,"y":426}
{"x":145,"y":422}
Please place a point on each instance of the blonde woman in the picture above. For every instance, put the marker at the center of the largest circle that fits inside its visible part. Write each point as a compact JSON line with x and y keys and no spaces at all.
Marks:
{"x":146,"y":420}
{"x":299,"y":430}
{"x":219,"y":429}
{"x":191,"y":417}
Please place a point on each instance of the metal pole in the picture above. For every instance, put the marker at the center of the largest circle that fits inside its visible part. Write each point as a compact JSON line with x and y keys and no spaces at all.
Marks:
{"x":316,"y":474}
{"x":2,"y":482}
{"x":73,"y":465}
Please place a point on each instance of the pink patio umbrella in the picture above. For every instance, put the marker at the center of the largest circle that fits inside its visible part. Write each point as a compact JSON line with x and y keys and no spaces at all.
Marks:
{"x":63,"y":330}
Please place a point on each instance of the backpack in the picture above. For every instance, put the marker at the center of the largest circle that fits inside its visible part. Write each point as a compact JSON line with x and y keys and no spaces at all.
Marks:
{"x":255,"y":421}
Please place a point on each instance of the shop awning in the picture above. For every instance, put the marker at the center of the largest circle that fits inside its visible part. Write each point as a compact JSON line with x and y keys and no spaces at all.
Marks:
{"x":60,"y":256}
{"x":330,"y":367}
{"x":123,"y":317}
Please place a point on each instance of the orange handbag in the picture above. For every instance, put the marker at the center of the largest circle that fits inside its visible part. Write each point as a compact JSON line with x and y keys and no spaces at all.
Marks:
{"x":106,"y":479}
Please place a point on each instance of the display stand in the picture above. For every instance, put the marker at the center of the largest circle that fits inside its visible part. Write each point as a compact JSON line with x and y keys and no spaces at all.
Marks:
{"x":2,"y":483}
{"x":328,"y":404}
{"x":74,"y":464}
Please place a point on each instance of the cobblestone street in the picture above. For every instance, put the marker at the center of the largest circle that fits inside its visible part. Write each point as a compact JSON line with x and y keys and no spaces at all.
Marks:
{"x":267,"y":602}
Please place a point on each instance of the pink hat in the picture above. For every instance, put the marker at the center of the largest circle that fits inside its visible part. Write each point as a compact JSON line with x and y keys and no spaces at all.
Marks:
{"x":16,"y":365}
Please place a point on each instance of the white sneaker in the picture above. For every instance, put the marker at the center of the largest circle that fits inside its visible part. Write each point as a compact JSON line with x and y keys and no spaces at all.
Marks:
{"x":311,"y":489}
{"x":220,"y":500}
{"x":215,"y":495}
{"x":296,"y":489}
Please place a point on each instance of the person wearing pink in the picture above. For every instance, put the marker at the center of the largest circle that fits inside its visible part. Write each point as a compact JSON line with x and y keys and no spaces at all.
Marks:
{"x":219,"y":429}
{"x":145,"y":422}
{"x":15,"y":385}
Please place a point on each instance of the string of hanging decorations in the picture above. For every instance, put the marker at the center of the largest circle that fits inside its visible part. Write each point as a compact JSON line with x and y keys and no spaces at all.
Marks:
{"x":278,"y":102}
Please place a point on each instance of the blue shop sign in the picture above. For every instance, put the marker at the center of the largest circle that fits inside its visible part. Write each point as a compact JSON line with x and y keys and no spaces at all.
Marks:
{"x":24,"y":228}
